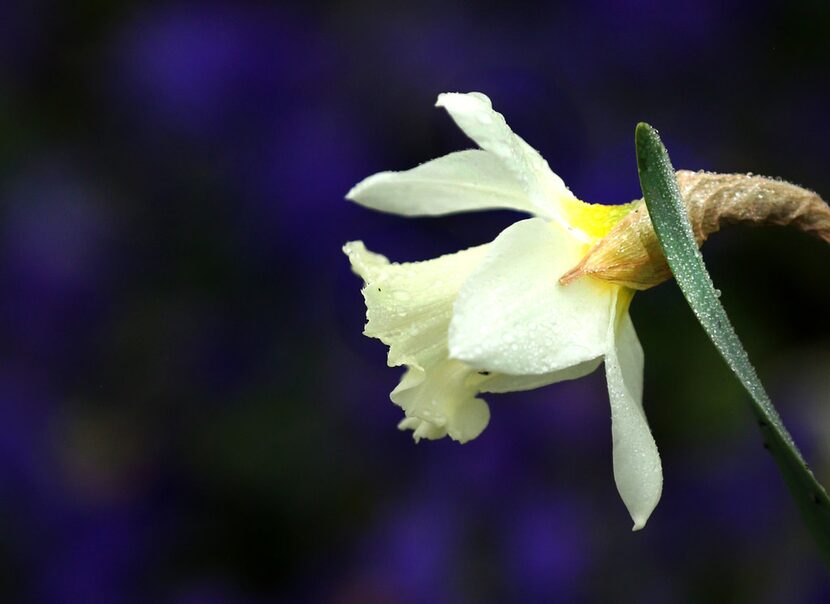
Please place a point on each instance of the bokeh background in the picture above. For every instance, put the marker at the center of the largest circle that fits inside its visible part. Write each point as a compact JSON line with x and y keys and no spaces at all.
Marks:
{"x":188,"y":411}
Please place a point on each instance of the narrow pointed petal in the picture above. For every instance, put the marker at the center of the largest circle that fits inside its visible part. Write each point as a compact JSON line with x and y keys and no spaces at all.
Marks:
{"x":512,"y":316}
{"x":474,"y":114}
{"x":637,"y":469}
{"x":459,"y":182}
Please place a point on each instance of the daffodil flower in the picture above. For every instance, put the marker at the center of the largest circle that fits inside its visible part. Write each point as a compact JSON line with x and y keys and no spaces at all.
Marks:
{"x":495,"y":318}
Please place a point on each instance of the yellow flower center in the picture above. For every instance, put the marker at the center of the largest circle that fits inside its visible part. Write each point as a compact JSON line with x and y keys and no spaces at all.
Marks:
{"x":594,"y":219}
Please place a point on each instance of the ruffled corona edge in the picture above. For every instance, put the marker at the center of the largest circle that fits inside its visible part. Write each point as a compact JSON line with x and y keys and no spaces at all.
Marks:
{"x":409,"y":307}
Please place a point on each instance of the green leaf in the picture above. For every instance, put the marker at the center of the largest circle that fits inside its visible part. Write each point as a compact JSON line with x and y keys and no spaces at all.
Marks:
{"x":671,"y":223}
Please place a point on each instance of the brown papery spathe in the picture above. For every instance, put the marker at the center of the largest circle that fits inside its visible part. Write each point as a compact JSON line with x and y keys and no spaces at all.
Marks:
{"x":630,"y":254}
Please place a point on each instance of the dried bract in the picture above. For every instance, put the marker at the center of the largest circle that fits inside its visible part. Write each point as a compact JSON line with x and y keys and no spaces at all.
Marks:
{"x":630,"y":254}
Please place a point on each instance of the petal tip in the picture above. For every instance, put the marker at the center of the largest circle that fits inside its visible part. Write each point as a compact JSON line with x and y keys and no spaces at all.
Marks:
{"x":456,"y":98}
{"x":447,"y":97}
{"x":354,"y":250}
{"x":357,"y":191}
{"x":351,"y":246}
{"x":352,"y":194}
{"x":642,"y":515}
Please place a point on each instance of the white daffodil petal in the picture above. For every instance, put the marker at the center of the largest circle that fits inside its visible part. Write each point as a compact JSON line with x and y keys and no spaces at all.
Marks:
{"x":408,"y":307}
{"x":637,"y":469}
{"x":500,"y":382}
{"x":512,"y":315}
{"x":474,"y":114}
{"x":459,"y":182}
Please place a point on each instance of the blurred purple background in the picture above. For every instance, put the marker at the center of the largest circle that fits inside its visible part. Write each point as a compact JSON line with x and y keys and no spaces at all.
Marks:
{"x":188,"y":411}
